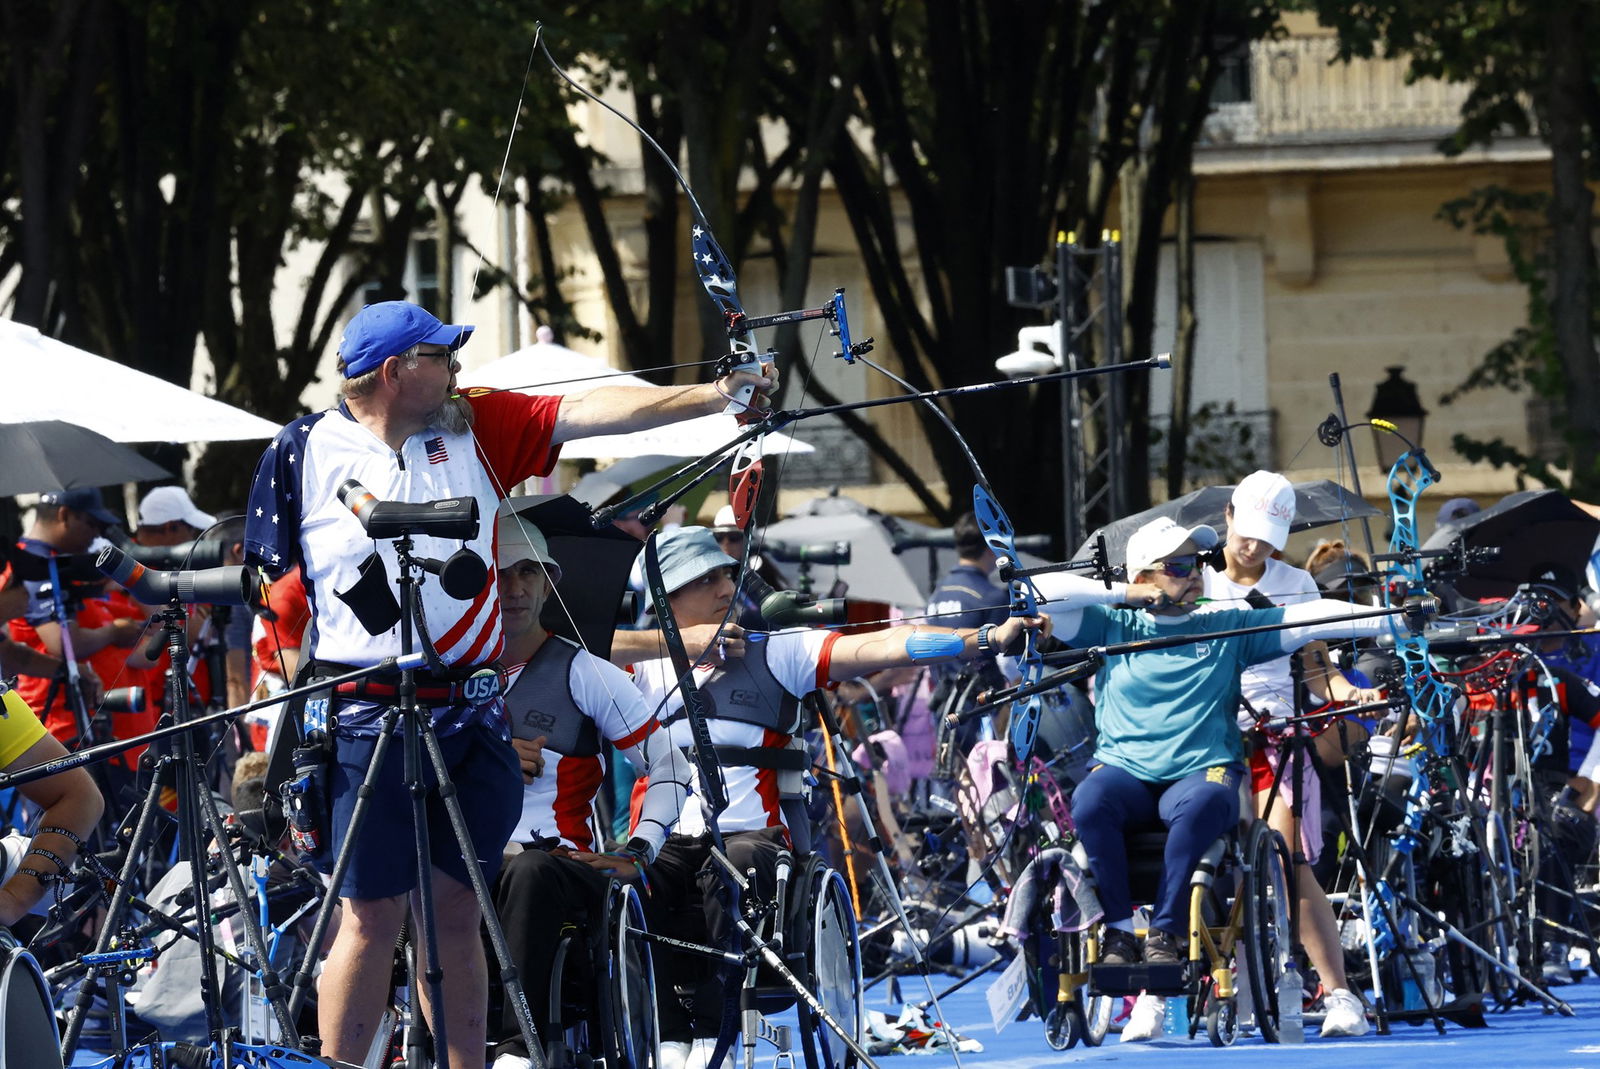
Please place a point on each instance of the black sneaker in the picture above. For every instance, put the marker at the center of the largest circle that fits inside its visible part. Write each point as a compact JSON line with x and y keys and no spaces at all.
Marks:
{"x":1161,"y":948}
{"x":1118,"y":947}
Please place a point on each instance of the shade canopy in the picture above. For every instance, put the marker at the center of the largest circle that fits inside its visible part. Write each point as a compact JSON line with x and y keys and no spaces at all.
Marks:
{"x":48,"y":379}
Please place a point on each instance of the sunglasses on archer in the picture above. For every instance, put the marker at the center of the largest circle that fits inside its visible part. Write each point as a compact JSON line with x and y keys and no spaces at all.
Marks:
{"x":1180,"y":567}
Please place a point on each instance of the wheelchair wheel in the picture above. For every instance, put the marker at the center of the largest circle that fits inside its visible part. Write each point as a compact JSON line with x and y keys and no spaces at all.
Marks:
{"x":1222,"y":1020}
{"x":1084,"y":1018}
{"x":28,"y":1034}
{"x":827,"y":927}
{"x":1268,"y":939}
{"x":627,"y":993}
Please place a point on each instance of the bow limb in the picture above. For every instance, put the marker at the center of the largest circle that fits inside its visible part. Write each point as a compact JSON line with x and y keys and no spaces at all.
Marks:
{"x":1001,"y":536}
{"x":694,"y":702}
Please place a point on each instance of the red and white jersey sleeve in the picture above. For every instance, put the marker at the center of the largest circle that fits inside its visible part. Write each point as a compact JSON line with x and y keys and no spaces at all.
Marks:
{"x":561,"y":801}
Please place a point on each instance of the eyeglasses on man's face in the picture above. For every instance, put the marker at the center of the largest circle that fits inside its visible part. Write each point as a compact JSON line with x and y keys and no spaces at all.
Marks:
{"x":447,"y":356}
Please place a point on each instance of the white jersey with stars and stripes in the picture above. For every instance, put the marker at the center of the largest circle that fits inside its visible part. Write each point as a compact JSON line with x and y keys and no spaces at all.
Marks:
{"x":294,"y":513}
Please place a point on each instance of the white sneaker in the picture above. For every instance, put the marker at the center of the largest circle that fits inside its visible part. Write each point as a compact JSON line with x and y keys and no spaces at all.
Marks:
{"x":1146,"y":1020}
{"x":672,"y":1054}
{"x":1555,"y":969}
{"x":513,"y":1061}
{"x":1344,"y":1014}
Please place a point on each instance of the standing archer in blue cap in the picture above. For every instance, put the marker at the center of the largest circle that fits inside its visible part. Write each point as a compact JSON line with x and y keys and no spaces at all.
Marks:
{"x":404,"y":433}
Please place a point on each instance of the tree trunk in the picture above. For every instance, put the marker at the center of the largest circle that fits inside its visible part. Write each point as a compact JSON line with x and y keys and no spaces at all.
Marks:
{"x":1183,"y":345}
{"x":1571,"y":217}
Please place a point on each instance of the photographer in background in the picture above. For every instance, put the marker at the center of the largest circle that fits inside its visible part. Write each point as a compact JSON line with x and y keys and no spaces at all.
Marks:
{"x":966,"y":597}
{"x":68,"y":522}
{"x":17,"y":659}
{"x":732,"y":538}
{"x":167,"y":517}
{"x":173,"y":534}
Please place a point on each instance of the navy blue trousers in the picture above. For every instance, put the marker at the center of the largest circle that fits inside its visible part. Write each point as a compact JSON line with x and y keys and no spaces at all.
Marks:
{"x":1195,"y":809}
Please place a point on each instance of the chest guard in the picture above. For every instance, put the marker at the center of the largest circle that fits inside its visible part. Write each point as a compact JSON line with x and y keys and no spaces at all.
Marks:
{"x":745,"y":691}
{"x":540,"y":702}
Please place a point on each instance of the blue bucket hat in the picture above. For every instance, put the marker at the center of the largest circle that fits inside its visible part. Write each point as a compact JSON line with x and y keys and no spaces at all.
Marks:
{"x":688,"y":553}
{"x":389,"y":328}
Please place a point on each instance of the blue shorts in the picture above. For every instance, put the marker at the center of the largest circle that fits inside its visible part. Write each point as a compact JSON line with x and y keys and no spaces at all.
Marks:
{"x":383,"y":862}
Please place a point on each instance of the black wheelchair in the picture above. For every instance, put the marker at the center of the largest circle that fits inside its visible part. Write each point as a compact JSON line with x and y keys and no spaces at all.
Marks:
{"x":1240,"y":918}
{"x":602,"y":998}
{"x":812,"y":928}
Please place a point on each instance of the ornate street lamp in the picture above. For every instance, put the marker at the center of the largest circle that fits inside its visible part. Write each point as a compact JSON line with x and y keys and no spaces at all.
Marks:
{"x":1395,"y":401}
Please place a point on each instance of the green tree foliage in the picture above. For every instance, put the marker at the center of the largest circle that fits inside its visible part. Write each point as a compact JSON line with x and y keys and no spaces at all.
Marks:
{"x":999,"y":127}
{"x":1533,"y":70}
{"x":166,"y":158}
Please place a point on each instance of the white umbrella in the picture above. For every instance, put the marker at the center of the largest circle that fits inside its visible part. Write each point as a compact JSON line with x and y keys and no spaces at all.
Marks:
{"x":547,"y":368}
{"x":49,"y":379}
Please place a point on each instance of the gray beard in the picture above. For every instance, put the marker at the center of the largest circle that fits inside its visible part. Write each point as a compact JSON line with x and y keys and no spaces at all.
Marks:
{"x":452,"y":417}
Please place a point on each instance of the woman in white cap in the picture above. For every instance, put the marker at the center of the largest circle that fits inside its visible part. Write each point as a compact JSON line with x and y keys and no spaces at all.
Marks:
{"x":1259,"y":516}
{"x":1168,"y":747}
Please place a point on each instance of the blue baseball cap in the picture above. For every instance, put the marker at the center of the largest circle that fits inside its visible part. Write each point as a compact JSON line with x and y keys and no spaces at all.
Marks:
{"x":688,"y":553}
{"x":389,"y":328}
{"x":85,"y":499}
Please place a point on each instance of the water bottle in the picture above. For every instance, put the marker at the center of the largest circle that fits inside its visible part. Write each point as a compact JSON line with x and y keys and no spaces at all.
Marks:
{"x":1419,"y":984}
{"x":303,"y":798}
{"x":1291,"y":1025}
{"x":1175,"y":1018}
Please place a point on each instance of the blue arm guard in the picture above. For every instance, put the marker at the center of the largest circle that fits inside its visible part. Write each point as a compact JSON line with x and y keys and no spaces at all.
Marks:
{"x":935,"y":645}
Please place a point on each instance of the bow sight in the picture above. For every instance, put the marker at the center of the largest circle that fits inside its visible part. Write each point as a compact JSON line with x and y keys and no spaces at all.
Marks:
{"x":833,"y":312}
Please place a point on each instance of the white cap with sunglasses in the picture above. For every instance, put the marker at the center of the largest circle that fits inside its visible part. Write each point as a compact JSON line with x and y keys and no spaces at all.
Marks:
{"x":1162,"y":538}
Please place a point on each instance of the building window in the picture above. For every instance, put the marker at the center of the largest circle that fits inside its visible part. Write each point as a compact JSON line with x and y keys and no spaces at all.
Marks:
{"x":420,"y":280}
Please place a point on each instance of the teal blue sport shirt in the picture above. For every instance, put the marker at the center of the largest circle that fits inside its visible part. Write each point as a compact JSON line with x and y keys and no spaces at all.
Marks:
{"x":1165,"y":714}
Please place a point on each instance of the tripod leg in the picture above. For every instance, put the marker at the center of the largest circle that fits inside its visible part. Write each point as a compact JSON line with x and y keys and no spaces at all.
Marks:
{"x":341,"y":865}
{"x":510,"y":980}
{"x":432,"y":967}
{"x":143,"y":833}
{"x":885,"y":875}
{"x":270,"y":980}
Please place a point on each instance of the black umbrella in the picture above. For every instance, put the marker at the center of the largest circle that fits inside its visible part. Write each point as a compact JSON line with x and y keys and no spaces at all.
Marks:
{"x":1316,"y":504}
{"x":594,"y":570}
{"x":52,"y":455}
{"x":1530,"y":528}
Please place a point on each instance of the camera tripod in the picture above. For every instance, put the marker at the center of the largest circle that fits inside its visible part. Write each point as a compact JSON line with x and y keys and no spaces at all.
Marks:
{"x":179,"y":765}
{"x":91,"y":727}
{"x":418,"y":736}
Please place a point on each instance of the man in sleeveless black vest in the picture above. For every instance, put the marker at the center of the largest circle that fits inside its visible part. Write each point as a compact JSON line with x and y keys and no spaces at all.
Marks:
{"x":563,"y":704}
